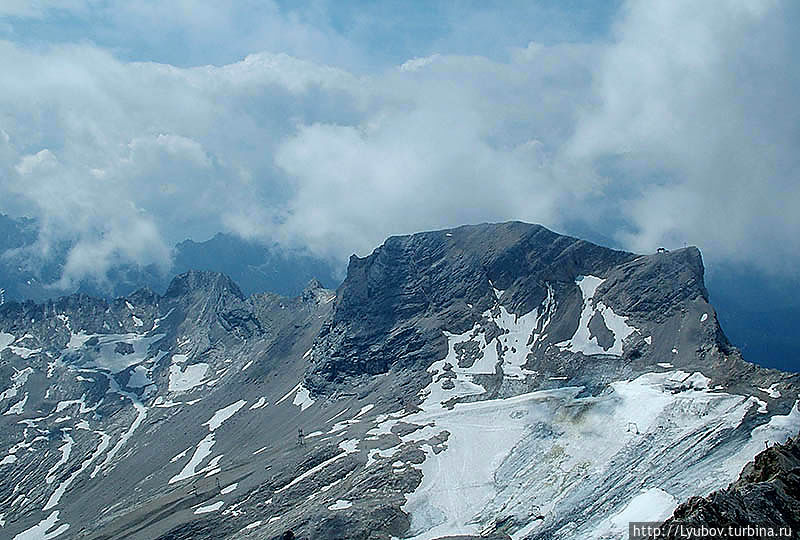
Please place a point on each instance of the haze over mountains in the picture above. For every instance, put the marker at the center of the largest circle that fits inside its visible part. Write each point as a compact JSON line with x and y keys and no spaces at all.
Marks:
{"x":26,"y":274}
{"x":496,"y":381}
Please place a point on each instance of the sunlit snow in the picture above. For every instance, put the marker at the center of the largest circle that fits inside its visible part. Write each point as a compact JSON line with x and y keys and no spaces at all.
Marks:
{"x":303,"y":398}
{"x":224,"y":414}
{"x":182,"y":380}
{"x":44,"y":529}
{"x":538,"y":457}
{"x":582,"y":341}
{"x":210,"y":508}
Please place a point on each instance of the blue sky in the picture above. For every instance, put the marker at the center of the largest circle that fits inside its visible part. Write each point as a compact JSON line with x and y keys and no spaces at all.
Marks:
{"x":128,"y":126}
{"x":368,"y":35}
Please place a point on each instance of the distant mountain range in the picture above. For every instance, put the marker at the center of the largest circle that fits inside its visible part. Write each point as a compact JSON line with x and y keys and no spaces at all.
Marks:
{"x":254,"y":267}
{"x":758,"y":315}
{"x":497,"y":381}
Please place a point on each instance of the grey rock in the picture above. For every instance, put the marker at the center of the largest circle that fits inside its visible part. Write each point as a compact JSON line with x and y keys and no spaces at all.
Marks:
{"x":767,"y":494}
{"x":319,"y":372}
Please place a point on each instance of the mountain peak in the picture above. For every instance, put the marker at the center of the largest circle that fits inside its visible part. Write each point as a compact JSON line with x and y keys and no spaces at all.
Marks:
{"x":413,"y":287}
{"x":202,"y":280}
{"x":316,"y":291}
{"x":313,"y":285}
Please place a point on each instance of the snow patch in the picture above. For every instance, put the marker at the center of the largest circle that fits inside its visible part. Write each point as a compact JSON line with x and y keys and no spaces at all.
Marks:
{"x":340,"y":504}
{"x":24,"y":352}
{"x":55,"y":498}
{"x":224,"y":414}
{"x":289,"y":393}
{"x":202,"y":451}
{"x":6,"y":340}
{"x":364,"y":410}
{"x":183,"y":380}
{"x":778,"y":430}
{"x":210,"y":508}
{"x":104,"y":354}
{"x":349,"y":447}
{"x":261,"y":402}
{"x":582,"y":341}
{"x":698,"y":381}
{"x":176,"y":457}
{"x":653,"y":504}
{"x":18,"y":407}
{"x":139,"y":378}
{"x":303,"y":398}
{"x":65,"y":450}
{"x":554,"y":453}
{"x":772,"y":391}
{"x":18,"y":380}
{"x":44,"y":529}
{"x":141,"y":414}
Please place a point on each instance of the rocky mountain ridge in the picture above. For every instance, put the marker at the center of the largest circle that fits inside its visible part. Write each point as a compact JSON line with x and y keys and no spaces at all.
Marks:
{"x":486,"y":381}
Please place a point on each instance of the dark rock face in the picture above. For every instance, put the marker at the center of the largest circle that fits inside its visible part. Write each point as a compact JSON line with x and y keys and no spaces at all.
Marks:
{"x":123,"y":348}
{"x":654,"y":285}
{"x":210,"y":286}
{"x":394,"y":304}
{"x":599,"y":330}
{"x":767,"y":494}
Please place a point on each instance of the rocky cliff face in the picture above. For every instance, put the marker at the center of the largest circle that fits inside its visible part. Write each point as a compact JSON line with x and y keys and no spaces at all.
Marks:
{"x":413,"y":288}
{"x":496,"y":381}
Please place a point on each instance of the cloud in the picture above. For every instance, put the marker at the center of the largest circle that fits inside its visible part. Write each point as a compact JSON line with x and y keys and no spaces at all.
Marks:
{"x":124,"y":159}
{"x":681,"y":129}
{"x":680,"y":126}
{"x":105,"y":227}
{"x":696,"y":105}
{"x":458,"y":141}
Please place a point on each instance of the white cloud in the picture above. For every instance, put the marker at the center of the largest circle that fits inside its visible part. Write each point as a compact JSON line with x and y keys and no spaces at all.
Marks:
{"x":418,"y":63}
{"x":39,"y":162}
{"x":696,"y":104}
{"x":456,"y":140}
{"x":682,"y":128}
